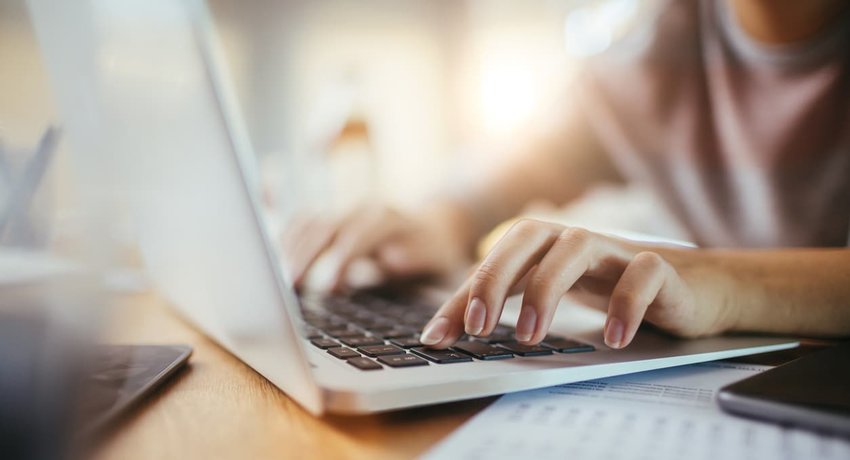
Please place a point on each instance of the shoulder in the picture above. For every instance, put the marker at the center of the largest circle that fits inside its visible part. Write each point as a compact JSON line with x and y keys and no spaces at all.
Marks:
{"x":648,"y":79}
{"x":654,"y":65}
{"x":663,"y":32}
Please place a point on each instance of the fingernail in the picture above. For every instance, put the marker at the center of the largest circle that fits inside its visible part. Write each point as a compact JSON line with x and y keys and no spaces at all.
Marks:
{"x":614,"y":333}
{"x":435,"y":331}
{"x":476,"y":313}
{"x":526,"y":324}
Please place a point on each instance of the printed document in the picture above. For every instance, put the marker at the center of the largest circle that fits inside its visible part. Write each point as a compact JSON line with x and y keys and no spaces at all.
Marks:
{"x":657,"y":415}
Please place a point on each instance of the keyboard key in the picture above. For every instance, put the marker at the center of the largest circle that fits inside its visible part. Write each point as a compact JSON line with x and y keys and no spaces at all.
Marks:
{"x":343,"y":353}
{"x":380,"y":350}
{"x":324,"y":344}
{"x":365,"y":364}
{"x":495,"y":338}
{"x":500,"y":334}
{"x":562,"y":345}
{"x":362,"y":341}
{"x":406,"y":342}
{"x":415,"y":320}
{"x":378,"y":330}
{"x":402,"y":361}
{"x":501,"y":329}
{"x":311,"y":333}
{"x":442,"y":356}
{"x":482,"y":350}
{"x":399,"y":332}
{"x":526,"y":350}
{"x":328,"y":325}
{"x":341,"y":332}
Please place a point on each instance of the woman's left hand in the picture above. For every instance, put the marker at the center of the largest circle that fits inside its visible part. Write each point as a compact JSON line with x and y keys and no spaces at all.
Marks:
{"x":549,"y":260}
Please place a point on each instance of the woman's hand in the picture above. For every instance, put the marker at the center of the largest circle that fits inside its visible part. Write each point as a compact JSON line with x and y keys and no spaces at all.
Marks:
{"x":397,"y":244}
{"x":549,"y":260}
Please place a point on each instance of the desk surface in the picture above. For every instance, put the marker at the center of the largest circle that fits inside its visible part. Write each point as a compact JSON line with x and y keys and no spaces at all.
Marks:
{"x":220,"y":408}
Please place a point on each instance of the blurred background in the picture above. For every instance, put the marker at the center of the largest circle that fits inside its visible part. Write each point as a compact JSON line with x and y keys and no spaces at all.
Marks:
{"x":411,"y":84}
{"x":396,"y":98}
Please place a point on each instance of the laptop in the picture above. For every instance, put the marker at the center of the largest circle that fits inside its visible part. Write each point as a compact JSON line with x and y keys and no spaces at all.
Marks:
{"x":153,"y":88}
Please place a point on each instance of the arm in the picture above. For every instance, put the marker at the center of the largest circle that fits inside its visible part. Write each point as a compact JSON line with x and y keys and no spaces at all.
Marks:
{"x":557,"y":165}
{"x":440,"y":239}
{"x":687,"y":292}
{"x":798,"y":291}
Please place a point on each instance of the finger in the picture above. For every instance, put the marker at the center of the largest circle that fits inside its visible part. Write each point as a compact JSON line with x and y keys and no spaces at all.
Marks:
{"x":447,"y":324}
{"x":568,"y":259}
{"x":519,"y":286}
{"x":305,"y":243}
{"x":514,"y":255}
{"x":360,"y":238}
{"x":638,"y":287}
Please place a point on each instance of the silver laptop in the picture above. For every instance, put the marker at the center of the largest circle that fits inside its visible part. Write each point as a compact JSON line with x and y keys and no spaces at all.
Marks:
{"x":145,"y":79}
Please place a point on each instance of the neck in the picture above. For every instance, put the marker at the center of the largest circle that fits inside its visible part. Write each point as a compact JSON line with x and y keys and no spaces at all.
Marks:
{"x":786,"y":21}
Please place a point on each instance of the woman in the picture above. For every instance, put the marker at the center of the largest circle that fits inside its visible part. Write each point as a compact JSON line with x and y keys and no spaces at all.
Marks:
{"x":736,"y":112}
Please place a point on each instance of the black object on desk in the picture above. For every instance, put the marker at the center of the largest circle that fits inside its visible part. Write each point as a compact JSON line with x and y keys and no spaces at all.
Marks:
{"x":810,"y":392}
{"x":120,"y":376}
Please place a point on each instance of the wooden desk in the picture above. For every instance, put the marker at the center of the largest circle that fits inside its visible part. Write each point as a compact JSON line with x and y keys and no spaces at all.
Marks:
{"x":219,"y":408}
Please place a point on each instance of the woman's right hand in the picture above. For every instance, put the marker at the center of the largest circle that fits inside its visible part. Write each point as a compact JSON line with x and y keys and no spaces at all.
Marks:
{"x":386,"y":243}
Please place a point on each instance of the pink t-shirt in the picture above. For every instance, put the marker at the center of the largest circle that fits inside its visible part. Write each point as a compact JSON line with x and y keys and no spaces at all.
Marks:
{"x":748,"y":144}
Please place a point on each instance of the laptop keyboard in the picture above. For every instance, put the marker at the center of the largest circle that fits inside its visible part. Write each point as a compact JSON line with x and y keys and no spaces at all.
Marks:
{"x":373,"y":333}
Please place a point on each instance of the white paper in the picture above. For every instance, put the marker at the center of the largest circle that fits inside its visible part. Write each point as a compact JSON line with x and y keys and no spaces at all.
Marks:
{"x":664,"y":414}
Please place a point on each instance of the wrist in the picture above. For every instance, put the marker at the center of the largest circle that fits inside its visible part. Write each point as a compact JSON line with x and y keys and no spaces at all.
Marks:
{"x":730,"y":305}
{"x":716,"y":290}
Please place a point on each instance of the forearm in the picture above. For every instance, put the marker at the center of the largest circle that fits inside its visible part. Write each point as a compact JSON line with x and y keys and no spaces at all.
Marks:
{"x":555,"y":166}
{"x":796,"y":291}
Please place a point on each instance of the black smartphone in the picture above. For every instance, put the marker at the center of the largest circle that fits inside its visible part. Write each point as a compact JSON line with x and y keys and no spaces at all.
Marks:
{"x":811,"y":392}
{"x":120,"y":376}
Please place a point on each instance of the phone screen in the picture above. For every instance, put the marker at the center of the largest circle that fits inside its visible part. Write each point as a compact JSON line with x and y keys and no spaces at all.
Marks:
{"x":812,"y":391}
